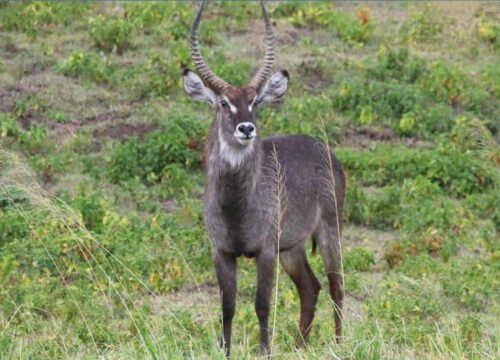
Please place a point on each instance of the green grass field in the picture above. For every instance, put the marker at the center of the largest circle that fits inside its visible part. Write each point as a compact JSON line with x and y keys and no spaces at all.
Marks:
{"x":103,"y":252}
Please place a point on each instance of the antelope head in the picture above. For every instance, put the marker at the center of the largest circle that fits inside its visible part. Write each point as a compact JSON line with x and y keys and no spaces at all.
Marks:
{"x":235,"y":107}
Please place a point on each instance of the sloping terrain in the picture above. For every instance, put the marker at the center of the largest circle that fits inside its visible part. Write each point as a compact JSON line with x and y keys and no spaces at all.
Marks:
{"x":102,"y":246}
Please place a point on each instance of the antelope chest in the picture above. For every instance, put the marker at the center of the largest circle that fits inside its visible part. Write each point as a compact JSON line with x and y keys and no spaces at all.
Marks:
{"x":237,"y":229}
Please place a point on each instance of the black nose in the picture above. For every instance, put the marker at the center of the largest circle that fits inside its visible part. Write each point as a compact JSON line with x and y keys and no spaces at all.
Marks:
{"x":246,"y":129}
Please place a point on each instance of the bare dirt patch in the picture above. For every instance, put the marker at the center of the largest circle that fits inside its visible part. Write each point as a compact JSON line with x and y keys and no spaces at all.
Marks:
{"x":202,"y":301}
{"x":365,"y":138}
{"x":193,"y":295}
{"x":123,"y":131}
{"x":7,"y":99}
{"x":374,"y":240}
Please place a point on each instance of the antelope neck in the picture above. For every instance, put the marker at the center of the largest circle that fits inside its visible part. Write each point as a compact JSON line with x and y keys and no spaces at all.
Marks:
{"x":233,"y":170}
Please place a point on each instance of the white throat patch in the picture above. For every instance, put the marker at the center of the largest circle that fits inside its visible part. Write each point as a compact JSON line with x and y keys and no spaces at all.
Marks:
{"x":234,"y":156}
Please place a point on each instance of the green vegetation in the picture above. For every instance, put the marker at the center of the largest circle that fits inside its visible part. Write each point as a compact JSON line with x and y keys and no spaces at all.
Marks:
{"x":103,"y":250}
{"x":111,"y":34}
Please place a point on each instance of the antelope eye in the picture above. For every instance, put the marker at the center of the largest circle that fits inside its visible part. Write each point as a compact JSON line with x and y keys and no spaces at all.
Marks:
{"x":224,"y":104}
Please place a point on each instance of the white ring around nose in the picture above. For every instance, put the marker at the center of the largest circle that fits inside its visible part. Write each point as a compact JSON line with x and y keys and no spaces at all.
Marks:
{"x":242,"y":137}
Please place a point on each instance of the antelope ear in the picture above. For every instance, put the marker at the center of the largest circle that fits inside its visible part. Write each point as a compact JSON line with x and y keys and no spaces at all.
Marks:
{"x":274,"y":88}
{"x":196,"y":89}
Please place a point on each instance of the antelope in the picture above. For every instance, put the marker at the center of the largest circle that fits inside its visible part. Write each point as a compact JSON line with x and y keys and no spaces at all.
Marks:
{"x":238,"y":201}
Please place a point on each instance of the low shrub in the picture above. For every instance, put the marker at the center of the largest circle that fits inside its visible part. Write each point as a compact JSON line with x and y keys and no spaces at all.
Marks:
{"x":471,"y":282}
{"x":445,"y":82}
{"x":149,"y":158}
{"x":87,"y":65}
{"x":420,"y":266}
{"x":488,"y":30}
{"x":299,"y":115}
{"x":176,"y":16}
{"x":146,"y":14}
{"x":425,"y":23}
{"x":395,"y":64}
{"x":490,"y":77}
{"x":32,"y":16}
{"x":406,"y":303}
{"x":235,"y":72}
{"x":358,"y":259}
{"x":92,"y":207}
{"x":375,"y":101}
{"x":470,"y":329}
{"x":355,"y":210}
{"x":29,"y":105}
{"x":351,"y":29}
{"x":485,"y":205}
{"x":111,"y":34}
{"x":163,"y":72}
{"x":36,"y":140}
{"x":456,"y":172}
{"x":414,"y":97}
{"x":9,"y":127}
{"x":11,"y":224}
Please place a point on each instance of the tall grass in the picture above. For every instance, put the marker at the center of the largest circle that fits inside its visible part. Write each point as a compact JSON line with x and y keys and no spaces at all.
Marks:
{"x":171,"y":336}
{"x":18,"y":182}
{"x":279,"y":193}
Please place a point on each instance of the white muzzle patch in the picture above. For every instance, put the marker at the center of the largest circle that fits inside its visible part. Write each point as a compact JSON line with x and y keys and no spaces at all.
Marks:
{"x":245,"y":132}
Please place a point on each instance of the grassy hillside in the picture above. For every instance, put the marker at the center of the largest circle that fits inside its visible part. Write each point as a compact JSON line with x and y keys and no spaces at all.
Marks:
{"x":103,"y":251}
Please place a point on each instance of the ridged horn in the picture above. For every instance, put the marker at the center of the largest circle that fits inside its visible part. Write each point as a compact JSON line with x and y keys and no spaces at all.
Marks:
{"x":265,"y":69}
{"x":206,"y":74}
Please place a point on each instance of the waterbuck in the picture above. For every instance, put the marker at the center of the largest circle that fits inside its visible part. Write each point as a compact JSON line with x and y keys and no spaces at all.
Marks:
{"x":240,"y":198}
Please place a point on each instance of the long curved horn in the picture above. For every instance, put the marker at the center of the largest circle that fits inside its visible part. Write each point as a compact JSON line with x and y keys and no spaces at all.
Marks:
{"x":265,"y":69}
{"x":207,"y":75}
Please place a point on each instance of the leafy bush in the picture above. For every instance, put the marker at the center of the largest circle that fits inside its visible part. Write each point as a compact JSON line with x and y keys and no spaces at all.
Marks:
{"x":29,"y":105}
{"x":87,"y":65}
{"x":432,"y":119}
{"x":354,"y":30}
{"x":111,"y":34}
{"x":11,"y":225}
{"x":92,"y":208}
{"x":355,"y":204}
{"x":471,"y":329}
{"x":31,"y":16}
{"x":379,"y":209}
{"x":425,"y":23}
{"x":163,"y":72}
{"x":384,"y":207}
{"x":434,"y":213}
{"x":445,"y":82}
{"x":376,"y":101}
{"x":236,"y":73}
{"x":456,"y":172}
{"x":471,"y":282}
{"x":36,"y":140}
{"x":149,"y":158}
{"x":489,"y":31}
{"x":395,"y":64}
{"x":490,"y":77}
{"x":420,"y":266}
{"x":398,"y":89}
{"x":9,"y":126}
{"x":145,"y":16}
{"x":485,"y":204}
{"x":358,"y":259}
{"x":405,"y":302}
